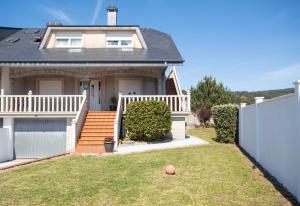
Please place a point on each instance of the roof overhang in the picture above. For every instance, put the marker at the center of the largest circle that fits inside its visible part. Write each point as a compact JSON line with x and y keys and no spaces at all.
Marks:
{"x":88,"y":64}
{"x":93,"y":28}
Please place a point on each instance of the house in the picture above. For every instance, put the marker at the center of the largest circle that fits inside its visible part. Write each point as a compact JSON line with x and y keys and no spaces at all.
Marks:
{"x":58,"y":83}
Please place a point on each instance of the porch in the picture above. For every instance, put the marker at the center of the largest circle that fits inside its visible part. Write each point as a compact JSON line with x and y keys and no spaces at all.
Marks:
{"x":69,"y":104}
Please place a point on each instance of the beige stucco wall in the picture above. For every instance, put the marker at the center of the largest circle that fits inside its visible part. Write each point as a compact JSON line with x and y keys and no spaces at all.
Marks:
{"x":22,"y":86}
{"x":93,"y":38}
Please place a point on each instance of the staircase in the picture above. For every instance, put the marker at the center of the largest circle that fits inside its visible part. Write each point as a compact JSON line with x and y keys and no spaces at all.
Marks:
{"x":97,"y":127}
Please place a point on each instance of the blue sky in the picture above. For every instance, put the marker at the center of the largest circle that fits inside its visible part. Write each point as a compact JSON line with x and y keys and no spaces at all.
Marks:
{"x":246,"y":44}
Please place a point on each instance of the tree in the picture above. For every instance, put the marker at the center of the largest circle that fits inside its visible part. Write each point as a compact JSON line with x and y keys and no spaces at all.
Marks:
{"x":207,"y":94}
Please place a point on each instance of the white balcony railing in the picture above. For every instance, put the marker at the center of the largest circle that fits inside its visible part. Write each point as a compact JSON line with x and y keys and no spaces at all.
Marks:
{"x":177,"y":103}
{"x":40,"y":103}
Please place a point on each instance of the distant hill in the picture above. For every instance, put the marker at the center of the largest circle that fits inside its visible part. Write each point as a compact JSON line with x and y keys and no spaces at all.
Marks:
{"x":248,"y":97}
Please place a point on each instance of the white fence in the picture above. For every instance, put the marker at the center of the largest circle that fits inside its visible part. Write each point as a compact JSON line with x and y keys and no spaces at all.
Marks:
{"x":270,"y":133}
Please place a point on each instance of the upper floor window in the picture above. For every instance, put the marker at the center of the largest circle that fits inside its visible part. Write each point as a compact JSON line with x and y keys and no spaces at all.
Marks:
{"x":68,"y":40}
{"x":118,"y":40}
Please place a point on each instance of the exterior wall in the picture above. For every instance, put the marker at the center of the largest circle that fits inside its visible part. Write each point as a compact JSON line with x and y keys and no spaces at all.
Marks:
{"x":6,"y":140}
{"x":6,"y":150}
{"x":23,"y":85}
{"x":269,"y":132}
{"x":178,"y":127}
{"x":149,"y":86}
{"x":94,"y":39}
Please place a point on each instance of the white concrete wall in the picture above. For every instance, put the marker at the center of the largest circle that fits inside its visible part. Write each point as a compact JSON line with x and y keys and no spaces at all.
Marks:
{"x":6,"y":140}
{"x":178,"y":127}
{"x":270,"y":133}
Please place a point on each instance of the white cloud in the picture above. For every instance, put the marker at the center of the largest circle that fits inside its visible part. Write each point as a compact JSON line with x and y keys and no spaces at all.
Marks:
{"x":276,"y":79}
{"x":97,"y":11}
{"x":291,"y":72}
{"x":59,"y":15}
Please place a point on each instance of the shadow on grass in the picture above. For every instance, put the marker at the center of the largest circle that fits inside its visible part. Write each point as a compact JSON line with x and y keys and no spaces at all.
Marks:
{"x":279,"y":187}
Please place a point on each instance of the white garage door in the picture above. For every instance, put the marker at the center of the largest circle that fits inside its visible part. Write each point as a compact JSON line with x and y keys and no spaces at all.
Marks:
{"x":36,"y":138}
{"x":50,"y":87}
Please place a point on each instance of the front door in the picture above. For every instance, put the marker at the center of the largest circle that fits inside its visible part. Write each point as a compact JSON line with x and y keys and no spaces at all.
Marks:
{"x":95,"y":88}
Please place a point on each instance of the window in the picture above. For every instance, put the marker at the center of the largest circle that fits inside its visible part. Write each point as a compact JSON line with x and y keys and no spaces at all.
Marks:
{"x":119,"y":40}
{"x":112,"y":43}
{"x":68,"y":40}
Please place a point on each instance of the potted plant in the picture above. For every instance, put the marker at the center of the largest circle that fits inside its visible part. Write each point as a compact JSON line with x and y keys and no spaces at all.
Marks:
{"x":113,"y":106}
{"x":109,"y":144}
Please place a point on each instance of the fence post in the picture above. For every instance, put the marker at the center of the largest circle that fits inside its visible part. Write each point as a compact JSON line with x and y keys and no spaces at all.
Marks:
{"x":29,"y":101}
{"x":189,"y":100}
{"x":241,"y":126}
{"x":297,"y":93}
{"x":2,"y":100}
{"x":257,"y":126}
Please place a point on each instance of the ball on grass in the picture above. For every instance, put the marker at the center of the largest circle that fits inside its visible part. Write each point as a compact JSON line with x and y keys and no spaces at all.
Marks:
{"x":170,"y":170}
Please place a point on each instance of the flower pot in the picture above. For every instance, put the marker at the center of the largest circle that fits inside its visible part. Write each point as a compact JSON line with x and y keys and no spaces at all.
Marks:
{"x":109,"y":146}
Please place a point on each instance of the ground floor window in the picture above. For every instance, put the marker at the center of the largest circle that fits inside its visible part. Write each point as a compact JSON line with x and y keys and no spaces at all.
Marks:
{"x":1,"y":122}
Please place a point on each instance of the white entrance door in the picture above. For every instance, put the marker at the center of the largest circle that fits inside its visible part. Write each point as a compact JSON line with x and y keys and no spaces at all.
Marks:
{"x":50,"y":87}
{"x":129,"y":87}
{"x":95,"y":88}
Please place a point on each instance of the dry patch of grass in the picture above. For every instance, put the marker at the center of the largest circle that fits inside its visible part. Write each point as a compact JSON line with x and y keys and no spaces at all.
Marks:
{"x":214,"y":174}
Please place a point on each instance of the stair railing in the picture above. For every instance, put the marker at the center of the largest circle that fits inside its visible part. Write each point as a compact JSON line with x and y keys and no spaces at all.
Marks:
{"x":118,"y":120}
{"x":80,"y":117}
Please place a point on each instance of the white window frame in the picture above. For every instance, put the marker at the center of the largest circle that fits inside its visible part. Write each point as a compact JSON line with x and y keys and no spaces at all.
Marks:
{"x":119,"y":39}
{"x":69,"y":38}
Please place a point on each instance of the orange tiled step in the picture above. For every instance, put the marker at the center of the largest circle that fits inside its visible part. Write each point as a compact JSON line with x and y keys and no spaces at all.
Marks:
{"x":96,"y":149}
{"x":91,"y":138}
{"x":96,"y":126}
{"x":91,"y":142}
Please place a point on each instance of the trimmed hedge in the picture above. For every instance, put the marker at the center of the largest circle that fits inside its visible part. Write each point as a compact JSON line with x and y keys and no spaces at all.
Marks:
{"x":147,"y":120}
{"x":226,"y":122}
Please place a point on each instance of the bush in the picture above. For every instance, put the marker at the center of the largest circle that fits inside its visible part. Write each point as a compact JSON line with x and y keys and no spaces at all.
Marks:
{"x":226,"y":122}
{"x":147,"y":121}
{"x":204,"y":116}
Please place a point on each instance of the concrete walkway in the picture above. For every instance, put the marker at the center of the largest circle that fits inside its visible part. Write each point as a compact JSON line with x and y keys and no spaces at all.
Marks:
{"x":13,"y":163}
{"x":187,"y":142}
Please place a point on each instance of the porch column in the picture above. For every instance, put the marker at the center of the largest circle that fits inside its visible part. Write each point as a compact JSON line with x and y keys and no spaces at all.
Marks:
{"x":160,"y":84}
{"x":5,"y":80}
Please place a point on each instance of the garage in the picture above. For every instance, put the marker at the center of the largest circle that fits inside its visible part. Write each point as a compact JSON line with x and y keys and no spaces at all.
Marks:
{"x":36,"y":138}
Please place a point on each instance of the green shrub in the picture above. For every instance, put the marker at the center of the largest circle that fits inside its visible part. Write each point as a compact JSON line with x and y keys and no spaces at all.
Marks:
{"x":225,"y":121}
{"x":147,"y":120}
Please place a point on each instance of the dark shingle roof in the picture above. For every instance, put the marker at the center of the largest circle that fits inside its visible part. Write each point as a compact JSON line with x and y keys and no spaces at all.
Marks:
{"x":161,"y":48}
{"x":6,"y":32}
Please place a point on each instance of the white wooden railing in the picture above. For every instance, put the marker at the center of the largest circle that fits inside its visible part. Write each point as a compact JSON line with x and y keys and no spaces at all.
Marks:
{"x":80,"y":117}
{"x":118,"y":120}
{"x":177,"y":103}
{"x":40,"y":103}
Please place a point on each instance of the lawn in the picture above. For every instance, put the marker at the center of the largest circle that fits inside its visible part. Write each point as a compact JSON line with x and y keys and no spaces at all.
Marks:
{"x":214,"y":174}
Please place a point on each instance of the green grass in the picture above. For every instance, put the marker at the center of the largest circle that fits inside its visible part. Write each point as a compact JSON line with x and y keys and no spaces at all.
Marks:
{"x":214,"y":174}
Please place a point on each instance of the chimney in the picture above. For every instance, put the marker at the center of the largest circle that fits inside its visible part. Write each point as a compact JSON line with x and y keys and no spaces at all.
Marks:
{"x":112,"y":15}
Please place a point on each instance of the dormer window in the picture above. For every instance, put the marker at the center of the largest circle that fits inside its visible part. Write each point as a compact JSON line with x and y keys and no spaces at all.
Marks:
{"x":68,"y":40}
{"x":119,"y":40}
